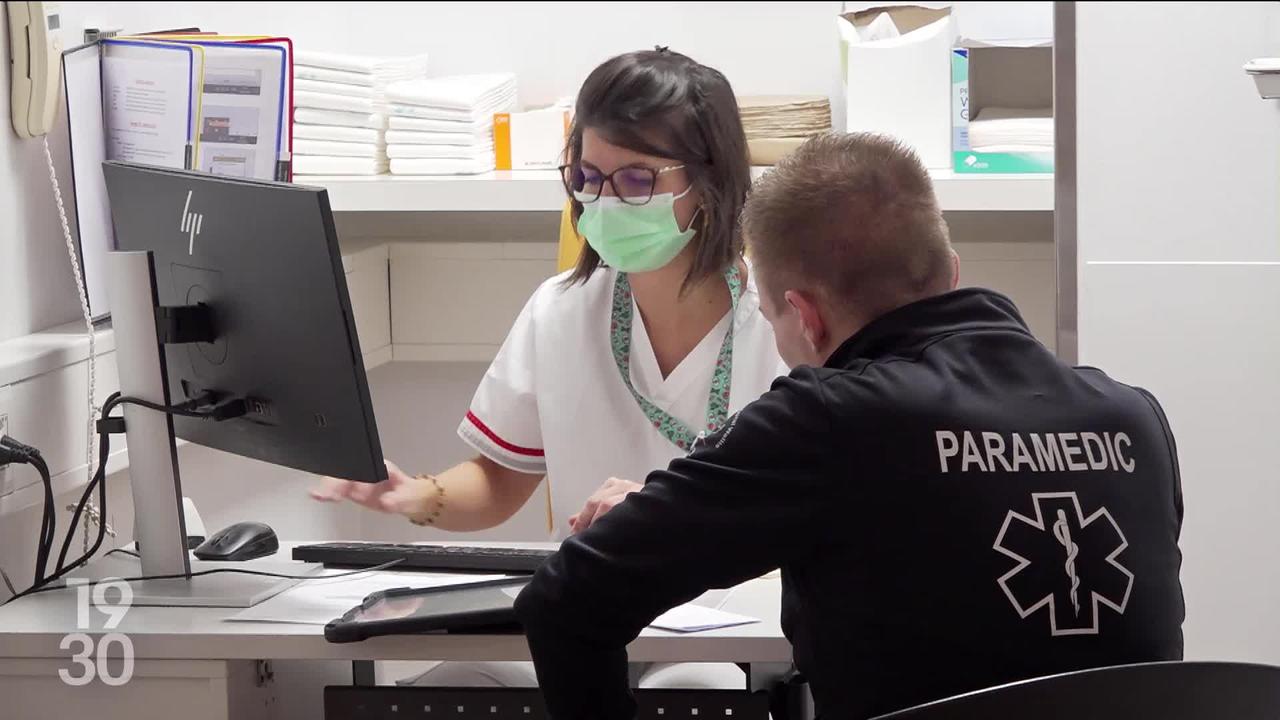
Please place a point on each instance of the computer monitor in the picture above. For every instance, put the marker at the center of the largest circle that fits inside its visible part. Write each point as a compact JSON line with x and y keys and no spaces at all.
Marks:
{"x":264,"y":258}
{"x":231,"y":289}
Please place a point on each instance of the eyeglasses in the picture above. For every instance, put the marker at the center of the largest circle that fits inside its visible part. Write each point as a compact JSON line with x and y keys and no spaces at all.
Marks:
{"x":633,"y":184}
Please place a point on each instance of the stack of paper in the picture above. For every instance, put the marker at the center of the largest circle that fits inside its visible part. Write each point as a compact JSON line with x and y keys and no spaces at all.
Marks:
{"x":340,"y":111}
{"x":357,"y":70}
{"x":777,"y":124}
{"x":1012,"y":130}
{"x":444,"y":126}
{"x":783,"y":116}
{"x":690,"y":618}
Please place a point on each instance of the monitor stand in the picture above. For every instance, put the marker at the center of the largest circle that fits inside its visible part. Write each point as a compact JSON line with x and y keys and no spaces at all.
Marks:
{"x":159,"y":524}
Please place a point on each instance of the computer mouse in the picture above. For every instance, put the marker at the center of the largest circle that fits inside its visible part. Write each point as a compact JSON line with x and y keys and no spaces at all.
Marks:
{"x":242,"y":541}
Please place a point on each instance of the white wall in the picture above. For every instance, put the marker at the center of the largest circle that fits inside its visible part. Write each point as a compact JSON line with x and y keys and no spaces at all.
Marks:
{"x":1179,"y":240}
{"x":762,"y":47}
{"x":551,"y":45}
{"x":36,"y":289}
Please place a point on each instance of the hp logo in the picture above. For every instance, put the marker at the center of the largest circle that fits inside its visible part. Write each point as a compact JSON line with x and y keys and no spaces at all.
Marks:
{"x":191,"y":224}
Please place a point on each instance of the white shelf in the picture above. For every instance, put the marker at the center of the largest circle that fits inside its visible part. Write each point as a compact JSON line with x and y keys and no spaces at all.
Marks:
{"x":542,"y":191}
{"x":36,"y":354}
{"x":993,"y":193}
{"x":29,"y":356}
{"x":499,"y":191}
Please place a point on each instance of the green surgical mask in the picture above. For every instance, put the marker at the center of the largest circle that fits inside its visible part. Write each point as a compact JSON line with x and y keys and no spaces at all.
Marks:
{"x":634,"y":238}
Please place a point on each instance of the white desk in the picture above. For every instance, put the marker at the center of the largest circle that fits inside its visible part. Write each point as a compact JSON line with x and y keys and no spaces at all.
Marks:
{"x":192,"y":659}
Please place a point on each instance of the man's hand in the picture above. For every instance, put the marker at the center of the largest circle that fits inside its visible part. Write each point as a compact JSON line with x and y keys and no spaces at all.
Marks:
{"x":602,"y":501}
{"x":399,"y":493}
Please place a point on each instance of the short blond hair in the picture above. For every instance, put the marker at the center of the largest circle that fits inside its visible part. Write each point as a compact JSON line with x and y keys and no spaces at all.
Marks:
{"x":853,"y":216}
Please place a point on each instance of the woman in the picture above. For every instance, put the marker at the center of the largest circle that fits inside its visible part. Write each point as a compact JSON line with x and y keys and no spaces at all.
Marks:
{"x":614,"y":368}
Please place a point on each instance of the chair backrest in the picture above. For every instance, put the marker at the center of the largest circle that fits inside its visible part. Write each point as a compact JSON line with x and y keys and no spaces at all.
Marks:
{"x":1164,"y":690}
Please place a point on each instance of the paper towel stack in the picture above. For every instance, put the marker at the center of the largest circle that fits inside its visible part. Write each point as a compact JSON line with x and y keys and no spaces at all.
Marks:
{"x":1012,"y":130}
{"x":340,"y":111}
{"x":777,"y":124}
{"x":444,"y":126}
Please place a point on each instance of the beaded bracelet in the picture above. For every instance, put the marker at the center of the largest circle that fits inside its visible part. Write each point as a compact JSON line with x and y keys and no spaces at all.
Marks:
{"x":431,"y":517}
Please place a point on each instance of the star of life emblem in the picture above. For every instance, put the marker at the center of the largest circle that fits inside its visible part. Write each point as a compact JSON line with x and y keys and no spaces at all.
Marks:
{"x":1065,"y":562}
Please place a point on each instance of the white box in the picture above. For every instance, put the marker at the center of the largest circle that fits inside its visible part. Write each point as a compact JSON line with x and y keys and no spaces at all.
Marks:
{"x":530,"y":140}
{"x":1009,"y":73}
{"x":901,"y":86}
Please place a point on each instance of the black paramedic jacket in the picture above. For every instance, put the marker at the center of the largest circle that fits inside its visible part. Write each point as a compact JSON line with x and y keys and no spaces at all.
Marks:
{"x":952,"y":508}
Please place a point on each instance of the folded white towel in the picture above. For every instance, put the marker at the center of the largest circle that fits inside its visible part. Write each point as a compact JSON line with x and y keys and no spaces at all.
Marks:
{"x":460,"y":116}
{"x":413,"y":137}
{"x":368,"y":65}
{"x":427,"y":166}
{"x":478,"y":127}
{"x":338,"y":134}
{"x":333,"y":88}
{"x":441,"y":152}
{"x":314,"y":116}
{"x":328,"y":165}
{"x":343,"y":149}
{"x":1013,"y":149}
{"x":1002,"y":127}
{"x":455,"y":92}
{"x":325,"y":101}
{"x":344,"y":77}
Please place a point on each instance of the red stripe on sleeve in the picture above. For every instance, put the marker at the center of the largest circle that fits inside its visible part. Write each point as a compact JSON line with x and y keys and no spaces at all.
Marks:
{"x":533,"y":452}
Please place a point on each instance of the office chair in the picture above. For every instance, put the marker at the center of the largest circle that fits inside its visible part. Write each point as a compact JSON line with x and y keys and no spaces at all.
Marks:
{"x":1164,"y":690}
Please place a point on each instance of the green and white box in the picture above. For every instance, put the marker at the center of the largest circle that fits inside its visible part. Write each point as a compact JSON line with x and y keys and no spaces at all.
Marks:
{"x":992,"y":75}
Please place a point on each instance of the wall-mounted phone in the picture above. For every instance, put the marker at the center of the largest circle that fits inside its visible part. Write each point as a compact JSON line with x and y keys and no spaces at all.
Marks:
{"x":34,"y":53}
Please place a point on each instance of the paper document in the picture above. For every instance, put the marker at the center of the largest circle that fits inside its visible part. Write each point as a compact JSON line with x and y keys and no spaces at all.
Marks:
{"x":240,"y":130}
{"x":147,"y":105}
{"x":316,"y":602}
{"x":695,"y":618}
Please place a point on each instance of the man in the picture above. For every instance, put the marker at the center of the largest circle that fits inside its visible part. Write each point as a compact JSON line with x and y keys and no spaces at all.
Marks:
{"x":951,"y":506}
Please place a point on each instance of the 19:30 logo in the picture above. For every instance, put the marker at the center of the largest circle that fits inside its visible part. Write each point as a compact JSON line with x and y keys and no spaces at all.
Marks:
{"x":90,"y":658}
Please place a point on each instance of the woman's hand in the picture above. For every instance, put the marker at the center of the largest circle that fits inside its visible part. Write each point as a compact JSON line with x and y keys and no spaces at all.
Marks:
{"x":602,"y":501}
{"x":399,"y":493}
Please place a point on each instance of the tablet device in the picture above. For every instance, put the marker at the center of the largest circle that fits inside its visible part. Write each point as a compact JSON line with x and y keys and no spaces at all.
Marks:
{"x":487,"y":606}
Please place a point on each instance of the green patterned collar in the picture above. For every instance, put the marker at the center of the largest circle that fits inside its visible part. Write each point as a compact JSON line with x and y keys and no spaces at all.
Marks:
{"x":672,"y":428}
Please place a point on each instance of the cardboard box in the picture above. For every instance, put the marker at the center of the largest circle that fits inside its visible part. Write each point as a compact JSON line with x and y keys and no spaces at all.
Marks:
{"x":900,"y":85}
{"x":770,"y":151}
{"x":989,"y":74}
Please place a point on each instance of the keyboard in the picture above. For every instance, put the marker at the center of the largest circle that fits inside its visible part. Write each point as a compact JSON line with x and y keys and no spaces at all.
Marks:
{"x":423,"y":557}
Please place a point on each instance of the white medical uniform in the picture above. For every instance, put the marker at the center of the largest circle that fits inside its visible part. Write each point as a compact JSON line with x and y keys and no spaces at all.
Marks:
{"x":553,"y":400}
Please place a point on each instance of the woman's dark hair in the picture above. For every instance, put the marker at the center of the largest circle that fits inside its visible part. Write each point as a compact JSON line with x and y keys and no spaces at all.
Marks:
{"x":663,"y":103}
